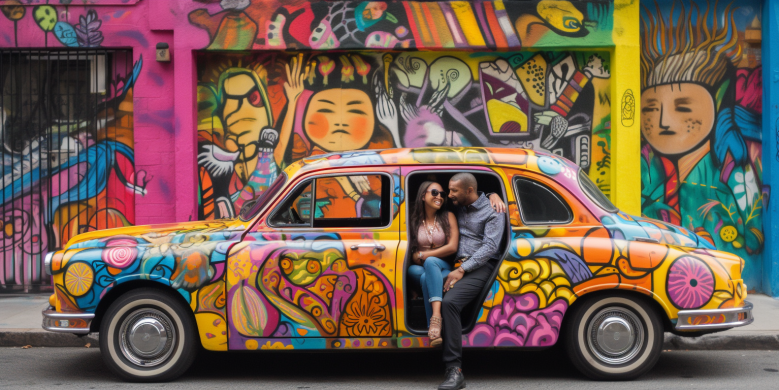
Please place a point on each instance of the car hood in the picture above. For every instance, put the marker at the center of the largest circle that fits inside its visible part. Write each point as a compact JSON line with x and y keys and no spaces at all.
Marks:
{"x":91,"y":239}
{"x":628,"y":227}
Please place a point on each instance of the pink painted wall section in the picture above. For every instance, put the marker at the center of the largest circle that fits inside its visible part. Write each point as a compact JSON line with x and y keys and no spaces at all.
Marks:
{"x":139,"y":25}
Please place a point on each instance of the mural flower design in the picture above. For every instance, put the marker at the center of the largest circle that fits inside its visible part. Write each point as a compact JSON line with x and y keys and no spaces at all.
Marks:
{"x":120,"y":253}
{"x":368,"y":313}
{"x":87,"y":30}
{"x":79,"y":278}
{"x":365,"y":320}
{"x":690,"y":283}
{"x":518,"y":322}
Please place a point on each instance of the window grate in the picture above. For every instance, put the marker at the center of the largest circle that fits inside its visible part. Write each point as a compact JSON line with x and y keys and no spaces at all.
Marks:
{"x":65,"y":132}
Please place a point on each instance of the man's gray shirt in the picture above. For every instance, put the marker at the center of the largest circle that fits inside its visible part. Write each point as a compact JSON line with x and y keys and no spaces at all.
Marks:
{"x":481,"y":229}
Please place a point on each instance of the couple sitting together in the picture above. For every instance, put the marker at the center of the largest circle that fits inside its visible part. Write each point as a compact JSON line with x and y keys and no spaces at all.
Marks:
{"x":473,"y":233}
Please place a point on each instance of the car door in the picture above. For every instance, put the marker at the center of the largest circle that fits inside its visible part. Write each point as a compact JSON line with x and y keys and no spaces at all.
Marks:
{"x":316,"y":270}
{"x":552,"y":233}
{"x":411,"y":179}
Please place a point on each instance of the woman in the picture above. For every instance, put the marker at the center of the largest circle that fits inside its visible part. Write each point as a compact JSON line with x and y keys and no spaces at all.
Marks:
{"x":434,"y":237}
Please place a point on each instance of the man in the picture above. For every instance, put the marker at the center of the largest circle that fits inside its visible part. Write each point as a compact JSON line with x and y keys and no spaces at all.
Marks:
{"x":481,"y":228}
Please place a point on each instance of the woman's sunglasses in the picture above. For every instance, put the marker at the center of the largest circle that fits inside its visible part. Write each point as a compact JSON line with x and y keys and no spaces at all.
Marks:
{"x":435,"y":193}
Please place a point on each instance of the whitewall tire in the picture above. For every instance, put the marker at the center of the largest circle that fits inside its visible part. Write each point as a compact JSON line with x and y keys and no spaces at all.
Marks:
{"x":614,"y":337}
{"x":147,"y":335}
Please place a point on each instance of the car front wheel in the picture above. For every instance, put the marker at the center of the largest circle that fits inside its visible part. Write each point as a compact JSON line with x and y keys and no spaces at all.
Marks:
{"x":614,"y":337}
{"x":147,"y":335}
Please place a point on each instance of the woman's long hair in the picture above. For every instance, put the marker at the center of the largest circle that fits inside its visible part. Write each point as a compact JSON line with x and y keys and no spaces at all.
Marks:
{"x":418,"y":215}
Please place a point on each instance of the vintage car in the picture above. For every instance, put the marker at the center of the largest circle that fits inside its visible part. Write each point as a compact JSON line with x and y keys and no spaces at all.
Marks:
{"x":318,"y":261}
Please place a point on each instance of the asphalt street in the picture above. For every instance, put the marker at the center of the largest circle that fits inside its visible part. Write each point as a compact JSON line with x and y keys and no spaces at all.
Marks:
{"x":82,"y":368}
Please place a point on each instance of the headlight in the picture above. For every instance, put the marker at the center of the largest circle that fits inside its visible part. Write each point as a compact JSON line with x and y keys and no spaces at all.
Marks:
{"x":47,"y":262}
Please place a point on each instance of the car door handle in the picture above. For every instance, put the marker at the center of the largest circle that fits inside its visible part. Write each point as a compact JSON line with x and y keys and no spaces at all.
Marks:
{"x":377,"y":246}
{"x":647,"y":239}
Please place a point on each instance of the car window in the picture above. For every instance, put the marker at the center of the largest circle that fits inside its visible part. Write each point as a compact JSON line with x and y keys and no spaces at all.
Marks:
{"x":296,"y":210}
{"x":594,"y":193}
{"x":352,"y":201}
{"x":539,"y":204}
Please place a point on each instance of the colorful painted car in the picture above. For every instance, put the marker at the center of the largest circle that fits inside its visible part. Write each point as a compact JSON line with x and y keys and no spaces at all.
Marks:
{"x":318,"y":262}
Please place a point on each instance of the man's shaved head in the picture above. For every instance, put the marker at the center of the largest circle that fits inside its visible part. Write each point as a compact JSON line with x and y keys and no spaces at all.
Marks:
{"x":462,"y":189}
{"x":466,"y":180}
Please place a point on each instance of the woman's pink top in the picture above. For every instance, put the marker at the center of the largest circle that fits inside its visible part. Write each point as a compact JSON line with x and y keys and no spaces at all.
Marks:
{"x":424,"y":238}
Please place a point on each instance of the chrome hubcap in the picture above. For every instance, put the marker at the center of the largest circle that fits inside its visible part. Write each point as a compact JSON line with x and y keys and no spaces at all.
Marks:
{"x":615,"y":335}
{"x":146,"y":337}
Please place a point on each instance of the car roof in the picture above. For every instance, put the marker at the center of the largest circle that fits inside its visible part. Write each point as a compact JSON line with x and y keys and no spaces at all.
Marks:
{"x":527,"y":159}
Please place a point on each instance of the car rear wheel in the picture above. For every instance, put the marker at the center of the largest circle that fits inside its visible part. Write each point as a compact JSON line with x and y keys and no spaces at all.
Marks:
{"x":614,"y":337}
{"x":147,"y":335}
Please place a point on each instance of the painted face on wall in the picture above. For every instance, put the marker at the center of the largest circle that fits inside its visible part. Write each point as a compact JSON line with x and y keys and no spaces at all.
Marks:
{"x":244,"y":115}
{"x":675,"y":118}
{"x":373,"y":10}
{"x":340,"y":119}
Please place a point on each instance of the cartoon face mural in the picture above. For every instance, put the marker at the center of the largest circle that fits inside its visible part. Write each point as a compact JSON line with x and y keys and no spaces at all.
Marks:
{"x":551,"y":101}
{"x":701,"y":125}
{"x":66,"y":169}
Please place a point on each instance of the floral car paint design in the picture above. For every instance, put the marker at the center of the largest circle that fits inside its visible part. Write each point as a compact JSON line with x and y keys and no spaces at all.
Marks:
{"x":252,"y":286}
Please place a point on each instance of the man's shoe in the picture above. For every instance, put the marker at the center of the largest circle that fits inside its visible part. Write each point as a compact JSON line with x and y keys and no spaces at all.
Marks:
{"x":454,"y":379}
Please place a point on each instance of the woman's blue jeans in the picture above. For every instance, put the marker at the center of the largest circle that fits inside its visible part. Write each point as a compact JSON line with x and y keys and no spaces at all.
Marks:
{"x":430,"y":277}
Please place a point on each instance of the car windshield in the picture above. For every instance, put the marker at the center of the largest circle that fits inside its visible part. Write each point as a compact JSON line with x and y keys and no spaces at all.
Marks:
{"x":252,"y":207}
{"x":595,"y":194}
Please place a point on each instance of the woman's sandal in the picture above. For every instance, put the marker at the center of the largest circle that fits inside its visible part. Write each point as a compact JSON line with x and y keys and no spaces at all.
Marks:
{"x":434,"y":332}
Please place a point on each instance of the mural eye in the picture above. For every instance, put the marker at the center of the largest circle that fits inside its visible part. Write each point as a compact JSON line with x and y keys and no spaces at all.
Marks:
{"x":571,"y":23}
{"x":286,"y":265}
{"x":313,"y":266}
{"x":255,"y":99}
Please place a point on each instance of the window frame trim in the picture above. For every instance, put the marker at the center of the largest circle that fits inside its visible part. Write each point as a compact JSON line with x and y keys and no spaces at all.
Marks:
{"x":313,"y":179}
{"x":547,"y":187}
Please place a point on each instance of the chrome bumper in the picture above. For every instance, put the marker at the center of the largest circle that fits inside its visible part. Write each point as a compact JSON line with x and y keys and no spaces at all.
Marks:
{"x":715,"y":318}
{"x":55,"y":321}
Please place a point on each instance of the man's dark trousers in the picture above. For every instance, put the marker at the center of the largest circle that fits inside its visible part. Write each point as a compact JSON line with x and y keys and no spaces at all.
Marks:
{"x":464,"y":291}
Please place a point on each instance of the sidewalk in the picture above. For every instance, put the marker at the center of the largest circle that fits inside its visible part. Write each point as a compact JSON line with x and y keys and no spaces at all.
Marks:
{"x":20,"y":325}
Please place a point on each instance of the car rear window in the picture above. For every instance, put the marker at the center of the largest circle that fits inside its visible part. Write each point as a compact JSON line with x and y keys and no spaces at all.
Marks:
{"x":594,"y":193}
{"x":539,"y":204}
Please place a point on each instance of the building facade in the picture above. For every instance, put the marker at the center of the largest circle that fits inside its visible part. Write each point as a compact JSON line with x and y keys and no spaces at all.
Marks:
{"x":119,"y":112}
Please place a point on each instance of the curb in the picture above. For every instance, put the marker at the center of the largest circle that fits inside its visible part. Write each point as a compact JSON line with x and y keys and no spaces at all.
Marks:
{"x":719,"y":342}
{"x":711,"y":342}
{"x":42,"y":338}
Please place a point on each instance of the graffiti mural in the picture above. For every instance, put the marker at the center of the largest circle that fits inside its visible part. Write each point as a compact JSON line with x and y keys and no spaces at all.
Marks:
{"x":327,"y":25}
{"x":258,"y":113}
{"x":701,"y":107}
{"x":68,"y":165}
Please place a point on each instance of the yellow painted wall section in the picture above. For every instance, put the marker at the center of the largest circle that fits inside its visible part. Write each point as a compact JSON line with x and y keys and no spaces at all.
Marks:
{"x":626,"y":89}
